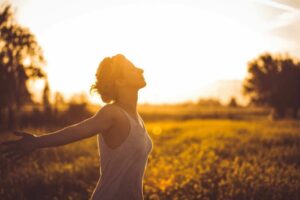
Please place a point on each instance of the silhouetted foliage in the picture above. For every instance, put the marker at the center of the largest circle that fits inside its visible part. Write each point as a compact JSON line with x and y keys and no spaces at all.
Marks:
{"x":274,"y":81}
{"x":46,"y":97}
{"x":232,"y":102}
{"x":209,"y":102}
{"x":21,"y":59}
{"x":77,"y":109}
{"x":58,"y":104}
{"x":58,"y":114}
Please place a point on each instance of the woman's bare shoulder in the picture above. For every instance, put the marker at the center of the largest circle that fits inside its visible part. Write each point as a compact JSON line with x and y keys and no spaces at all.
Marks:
{"x":109,"y":115}
{"x":110,"y":110}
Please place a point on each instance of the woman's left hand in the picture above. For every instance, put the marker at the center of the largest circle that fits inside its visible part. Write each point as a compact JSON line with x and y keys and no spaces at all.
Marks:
{"x":17,"y":149}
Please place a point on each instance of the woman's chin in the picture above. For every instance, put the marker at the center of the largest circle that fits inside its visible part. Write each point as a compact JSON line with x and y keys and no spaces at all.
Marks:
{"x":143,"y":85}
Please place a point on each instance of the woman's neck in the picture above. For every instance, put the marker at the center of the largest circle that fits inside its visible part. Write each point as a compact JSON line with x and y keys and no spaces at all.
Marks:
{"x":128,"y":101}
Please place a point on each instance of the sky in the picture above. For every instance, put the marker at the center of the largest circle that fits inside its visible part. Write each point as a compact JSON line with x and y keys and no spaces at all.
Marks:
{"x":184,"y":46}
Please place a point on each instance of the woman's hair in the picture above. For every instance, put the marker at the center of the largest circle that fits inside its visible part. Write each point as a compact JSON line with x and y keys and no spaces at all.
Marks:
{"x":109,"y":70}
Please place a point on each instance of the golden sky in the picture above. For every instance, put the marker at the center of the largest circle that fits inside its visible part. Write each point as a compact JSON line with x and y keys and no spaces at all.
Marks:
{"x":184,"y":46}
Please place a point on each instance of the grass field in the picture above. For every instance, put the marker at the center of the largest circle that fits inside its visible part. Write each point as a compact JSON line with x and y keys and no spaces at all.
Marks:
{"x":191,"y":159}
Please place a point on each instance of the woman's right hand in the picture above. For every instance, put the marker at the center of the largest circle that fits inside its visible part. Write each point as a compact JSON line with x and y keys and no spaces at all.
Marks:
{"x":17,"y":149}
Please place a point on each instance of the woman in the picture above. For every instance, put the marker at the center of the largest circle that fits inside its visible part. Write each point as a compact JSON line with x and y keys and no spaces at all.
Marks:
{"x":123,"y":141}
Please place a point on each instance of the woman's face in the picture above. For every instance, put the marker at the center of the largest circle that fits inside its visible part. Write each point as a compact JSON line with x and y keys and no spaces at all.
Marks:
{"x":132,"y":76}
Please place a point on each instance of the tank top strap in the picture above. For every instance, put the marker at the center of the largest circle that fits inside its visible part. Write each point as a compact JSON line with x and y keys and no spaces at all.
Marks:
{"x":131,"y":119}
{"x":124,"y":111}
{"x":142,"y":121}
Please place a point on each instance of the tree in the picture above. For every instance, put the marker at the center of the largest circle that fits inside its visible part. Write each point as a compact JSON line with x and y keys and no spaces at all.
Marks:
{"x":274,"y":80}
{"x":46,"y":97}
{"x":21,"y":59}
{"x":59,"y":103}
{"x":232,"y":102}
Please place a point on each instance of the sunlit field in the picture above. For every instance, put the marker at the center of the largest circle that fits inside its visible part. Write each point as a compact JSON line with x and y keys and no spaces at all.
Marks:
{"x":191,"y":159}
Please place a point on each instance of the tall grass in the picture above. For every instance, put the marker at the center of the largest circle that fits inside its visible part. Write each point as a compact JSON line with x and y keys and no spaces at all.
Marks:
{"x":192,"y":159}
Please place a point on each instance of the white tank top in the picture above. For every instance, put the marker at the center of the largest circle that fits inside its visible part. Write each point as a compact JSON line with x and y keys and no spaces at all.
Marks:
{"x":122,"y":169}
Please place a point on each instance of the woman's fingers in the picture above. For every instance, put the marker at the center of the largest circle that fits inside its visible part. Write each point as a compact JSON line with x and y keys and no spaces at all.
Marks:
{"x":14,"y":155}
{"x":17,"y":149}
{"x":11,"y":148}
{"x":8,"y":147}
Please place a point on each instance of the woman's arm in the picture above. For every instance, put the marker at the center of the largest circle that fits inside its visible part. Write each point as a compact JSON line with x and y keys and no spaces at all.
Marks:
{"x":98,"y":123}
